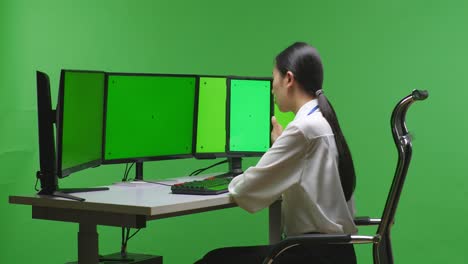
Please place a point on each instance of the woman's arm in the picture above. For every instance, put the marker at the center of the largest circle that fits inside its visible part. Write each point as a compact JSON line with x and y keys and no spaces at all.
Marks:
{"x":279,"y":168}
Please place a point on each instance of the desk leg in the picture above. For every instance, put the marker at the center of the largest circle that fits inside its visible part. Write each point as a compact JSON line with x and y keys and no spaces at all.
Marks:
{"x":275,"y":222}
{"x":88,"y":245}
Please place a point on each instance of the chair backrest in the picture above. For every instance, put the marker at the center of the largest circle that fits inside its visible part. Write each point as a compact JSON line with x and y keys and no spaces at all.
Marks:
{"x":404,"y":147}
{"x":382,"y":250}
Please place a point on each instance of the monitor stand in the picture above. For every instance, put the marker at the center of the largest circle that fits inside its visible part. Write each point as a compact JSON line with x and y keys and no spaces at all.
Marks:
{"x":139,"y":170}
{"x":235,"y":166}
{"x":49,"y":187}
{"x":61,"y":195}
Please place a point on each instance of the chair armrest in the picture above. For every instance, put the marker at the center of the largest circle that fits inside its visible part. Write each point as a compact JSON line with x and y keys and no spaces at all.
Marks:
{"x":315,"y":239}
{"x":366,"y":221}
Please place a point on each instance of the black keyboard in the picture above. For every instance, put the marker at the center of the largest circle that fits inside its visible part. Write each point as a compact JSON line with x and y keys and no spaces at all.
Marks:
{"x":212,"y":185}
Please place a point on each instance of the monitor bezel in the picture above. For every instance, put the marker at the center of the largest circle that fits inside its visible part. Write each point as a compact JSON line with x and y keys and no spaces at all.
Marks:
{"x":62,"y":173}
{"x":240,"y":154}
{"x":148,"y":158}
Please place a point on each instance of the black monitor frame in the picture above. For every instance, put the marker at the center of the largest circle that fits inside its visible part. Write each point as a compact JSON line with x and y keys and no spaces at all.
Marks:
{"x":61,"y":173}
{"x":238,"y":154}
{"x":139,"y":160}
{"x":46,"y":117}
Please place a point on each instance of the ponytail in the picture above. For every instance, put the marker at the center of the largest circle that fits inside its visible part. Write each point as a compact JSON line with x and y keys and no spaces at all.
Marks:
{"x":345,"y":161}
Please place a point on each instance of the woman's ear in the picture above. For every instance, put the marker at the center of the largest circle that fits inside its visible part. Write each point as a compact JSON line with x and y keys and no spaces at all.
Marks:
{"x":289,"y":78}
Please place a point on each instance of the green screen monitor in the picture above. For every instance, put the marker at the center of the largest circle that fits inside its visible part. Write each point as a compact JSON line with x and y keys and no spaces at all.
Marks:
{"x":148,"y":117}
{"x":79,"y":120}
{"x":210,"y":135}
{"x":249,"y":111}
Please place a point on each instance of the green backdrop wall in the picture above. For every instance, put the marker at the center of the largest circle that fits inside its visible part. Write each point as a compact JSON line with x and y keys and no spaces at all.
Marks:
{"x":374,"y":52}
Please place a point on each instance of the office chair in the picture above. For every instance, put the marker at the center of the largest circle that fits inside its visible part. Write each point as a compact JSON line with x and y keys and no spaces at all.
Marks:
{"x":382,"y":250}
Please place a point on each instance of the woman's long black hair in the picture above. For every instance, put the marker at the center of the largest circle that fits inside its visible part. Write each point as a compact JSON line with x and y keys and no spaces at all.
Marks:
{"x":304,"y":62}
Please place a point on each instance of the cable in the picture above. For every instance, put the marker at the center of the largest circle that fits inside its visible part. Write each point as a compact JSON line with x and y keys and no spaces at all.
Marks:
{"x":125,"y":235}
{"x":128,"y":234}
{"x":160,"y":183}
{"x":136,"y":232}
{"x":123,"y":247}
{"x":127,"y":171}
{"x":35,"y":185}
{"x":125,"y":238}
{"x":124,"y":178}
{"x":196,"y":172}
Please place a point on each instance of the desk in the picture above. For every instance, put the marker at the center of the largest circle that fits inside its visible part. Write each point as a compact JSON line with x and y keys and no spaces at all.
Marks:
{"x":128,"y":205}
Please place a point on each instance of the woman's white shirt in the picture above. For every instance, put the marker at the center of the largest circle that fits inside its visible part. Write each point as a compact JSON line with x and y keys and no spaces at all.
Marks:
{"x":302,"y":168}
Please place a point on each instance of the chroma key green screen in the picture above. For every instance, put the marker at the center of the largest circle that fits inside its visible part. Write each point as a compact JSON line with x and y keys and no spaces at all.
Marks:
{"x":81,"y":112}
{"x":211,"y":123}
{"x":149,"y":116}
{"x":250,"y":112}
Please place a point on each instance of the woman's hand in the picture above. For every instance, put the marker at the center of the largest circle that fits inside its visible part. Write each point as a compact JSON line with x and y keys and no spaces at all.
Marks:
{"x":276,"y":131}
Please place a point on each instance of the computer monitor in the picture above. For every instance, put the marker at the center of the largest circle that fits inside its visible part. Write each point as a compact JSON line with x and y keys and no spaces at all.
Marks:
{"x":210,"y":133}
{"x":148,"y":117}
{"x":48,"y":173}
{"x":248,"y":115}
{"x":46,"y":120}
{"x":80,"y":111}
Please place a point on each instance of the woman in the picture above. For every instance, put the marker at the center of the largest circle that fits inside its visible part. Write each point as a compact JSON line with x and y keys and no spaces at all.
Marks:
{"x":309,"y":165}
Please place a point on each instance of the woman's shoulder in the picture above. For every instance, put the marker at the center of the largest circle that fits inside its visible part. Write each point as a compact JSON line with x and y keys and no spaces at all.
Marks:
{"x":312,"y":126}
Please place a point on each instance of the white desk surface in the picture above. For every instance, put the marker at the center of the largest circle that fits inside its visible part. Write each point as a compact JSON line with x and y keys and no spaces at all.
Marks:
{"x":138,"y":198}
